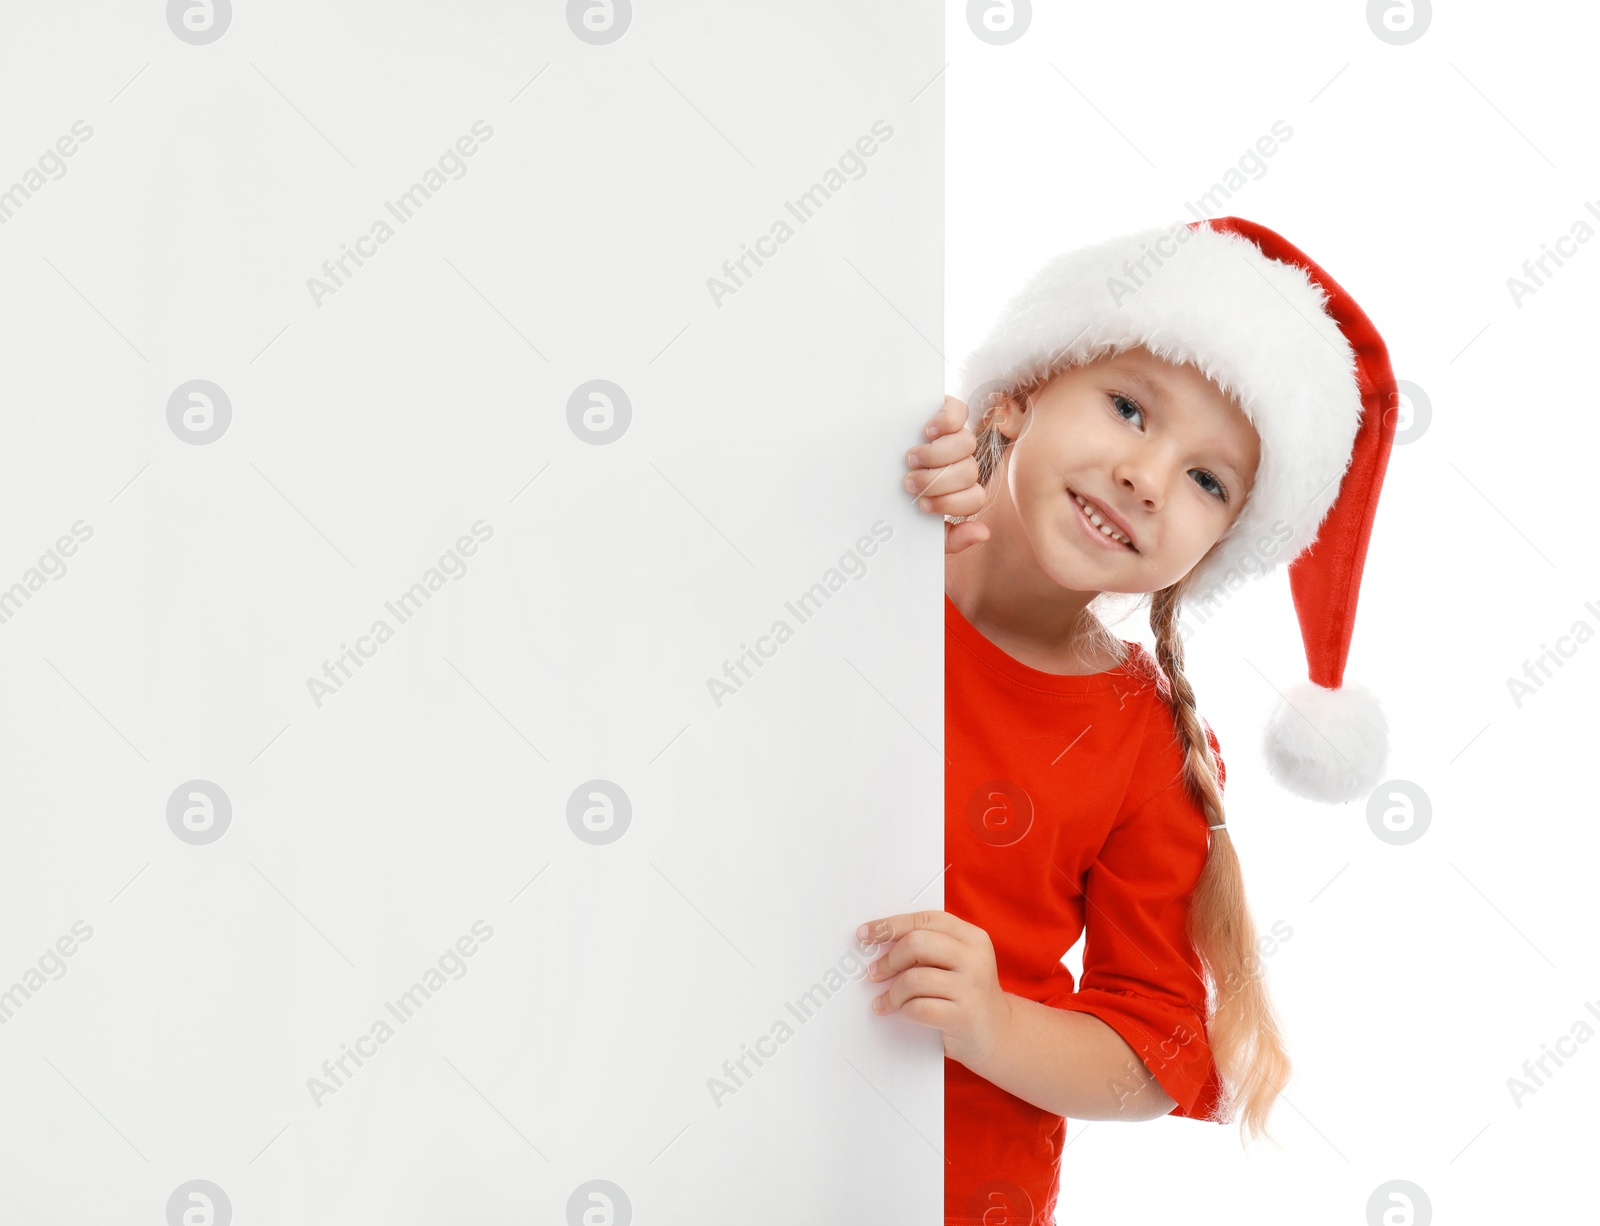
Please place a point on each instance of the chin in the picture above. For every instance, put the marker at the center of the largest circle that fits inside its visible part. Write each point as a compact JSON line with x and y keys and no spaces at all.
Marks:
{"x":1069,"y":572}
{"x":1120,"y":577}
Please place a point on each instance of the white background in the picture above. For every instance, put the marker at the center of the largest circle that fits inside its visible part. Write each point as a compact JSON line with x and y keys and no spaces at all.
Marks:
{"x":431,"y":790}
{"x":1419,"y":978}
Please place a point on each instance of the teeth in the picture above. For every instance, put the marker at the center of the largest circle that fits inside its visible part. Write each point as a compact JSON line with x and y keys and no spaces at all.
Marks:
{"x":1099,"y":521}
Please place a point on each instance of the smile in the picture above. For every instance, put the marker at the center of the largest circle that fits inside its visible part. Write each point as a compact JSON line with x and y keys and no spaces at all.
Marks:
{"x":1099,"y":526}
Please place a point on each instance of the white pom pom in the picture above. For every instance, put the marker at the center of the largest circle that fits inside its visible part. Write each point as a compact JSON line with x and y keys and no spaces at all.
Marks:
{"x":1328,"y":745}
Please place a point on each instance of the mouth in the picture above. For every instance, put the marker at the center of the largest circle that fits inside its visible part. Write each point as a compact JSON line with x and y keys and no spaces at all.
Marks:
{"x":1101,"y":524}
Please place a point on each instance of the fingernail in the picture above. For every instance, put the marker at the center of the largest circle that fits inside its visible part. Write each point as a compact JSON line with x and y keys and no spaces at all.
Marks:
{"x":911,"y":457}
{"x":932,"y":430}
{"x":877,"y":1004}
{"x":861,"y":933}
{"x":925,"y":503}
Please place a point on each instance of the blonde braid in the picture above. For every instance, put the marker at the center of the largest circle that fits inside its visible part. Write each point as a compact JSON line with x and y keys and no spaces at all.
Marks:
{"x":1245,"y":1039}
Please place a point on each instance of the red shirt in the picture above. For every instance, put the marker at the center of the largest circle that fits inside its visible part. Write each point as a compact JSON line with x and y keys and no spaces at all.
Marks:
{"x":1061,"y":790}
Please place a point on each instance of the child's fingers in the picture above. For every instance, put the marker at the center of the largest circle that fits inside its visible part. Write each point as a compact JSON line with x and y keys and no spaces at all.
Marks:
{"x":950,"y":479}
{"x":893,"y":927}
{"x":933,"y":1012}
{"x":937,"y":483}
{"x":918,"y":983}
{"x":946,"y":449}
{"x":963,"y":502}
{"x":924,"y":947}
{"x":951,"y":416}
{"x":965,"y":535}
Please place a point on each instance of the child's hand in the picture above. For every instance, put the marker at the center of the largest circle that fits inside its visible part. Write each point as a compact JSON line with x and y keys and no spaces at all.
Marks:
{"x":945,"y":473}
{"x":946,"y":979}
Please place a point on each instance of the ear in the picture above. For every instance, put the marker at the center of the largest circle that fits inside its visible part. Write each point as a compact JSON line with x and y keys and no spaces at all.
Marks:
{"x":1009,"y":412}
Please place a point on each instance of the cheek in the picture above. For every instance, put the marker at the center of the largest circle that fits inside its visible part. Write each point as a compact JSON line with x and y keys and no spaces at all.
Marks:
{"x":1037,"y":473}
{"x":1036,"y":490}
{"x":1205,"y":529}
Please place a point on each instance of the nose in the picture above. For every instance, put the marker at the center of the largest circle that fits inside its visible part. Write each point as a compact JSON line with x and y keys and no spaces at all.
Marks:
{"x":1143,"y":475}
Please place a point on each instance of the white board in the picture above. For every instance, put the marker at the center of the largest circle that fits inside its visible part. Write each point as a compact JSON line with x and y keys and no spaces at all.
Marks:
{"x":393,"y":616}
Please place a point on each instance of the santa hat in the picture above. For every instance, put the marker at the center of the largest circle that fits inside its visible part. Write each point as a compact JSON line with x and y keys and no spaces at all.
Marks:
{"x":1269,"y":327}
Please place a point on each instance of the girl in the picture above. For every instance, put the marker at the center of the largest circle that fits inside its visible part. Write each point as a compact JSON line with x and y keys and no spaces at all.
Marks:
{"x":1158,"y":415}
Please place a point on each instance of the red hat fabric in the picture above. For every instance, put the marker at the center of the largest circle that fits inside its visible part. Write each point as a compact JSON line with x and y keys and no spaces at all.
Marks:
{"x":1326,"y":579}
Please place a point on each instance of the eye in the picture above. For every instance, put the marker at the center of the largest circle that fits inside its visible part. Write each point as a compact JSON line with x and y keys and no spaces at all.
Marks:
{"x":1118,"y":400}
{"x":1220,"y":491}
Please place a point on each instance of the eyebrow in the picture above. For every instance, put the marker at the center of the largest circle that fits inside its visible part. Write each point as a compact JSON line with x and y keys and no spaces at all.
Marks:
{"x":1154,"y":386}
{"x":1150,"y":383}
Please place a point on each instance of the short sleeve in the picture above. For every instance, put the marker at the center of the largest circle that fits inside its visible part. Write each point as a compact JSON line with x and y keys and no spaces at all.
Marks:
{"x":1141,"y":974}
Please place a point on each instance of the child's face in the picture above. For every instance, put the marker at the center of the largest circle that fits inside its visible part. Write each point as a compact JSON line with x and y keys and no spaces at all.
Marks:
{"x":1154,"y":443}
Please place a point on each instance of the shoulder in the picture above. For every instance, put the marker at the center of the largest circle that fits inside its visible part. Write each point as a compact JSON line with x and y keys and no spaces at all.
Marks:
{"x":1161,"y":751}
{"x":1141,"y":665}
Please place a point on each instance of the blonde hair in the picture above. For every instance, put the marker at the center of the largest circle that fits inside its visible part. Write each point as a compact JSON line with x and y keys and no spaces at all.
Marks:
{"x":1246,"y":1042}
